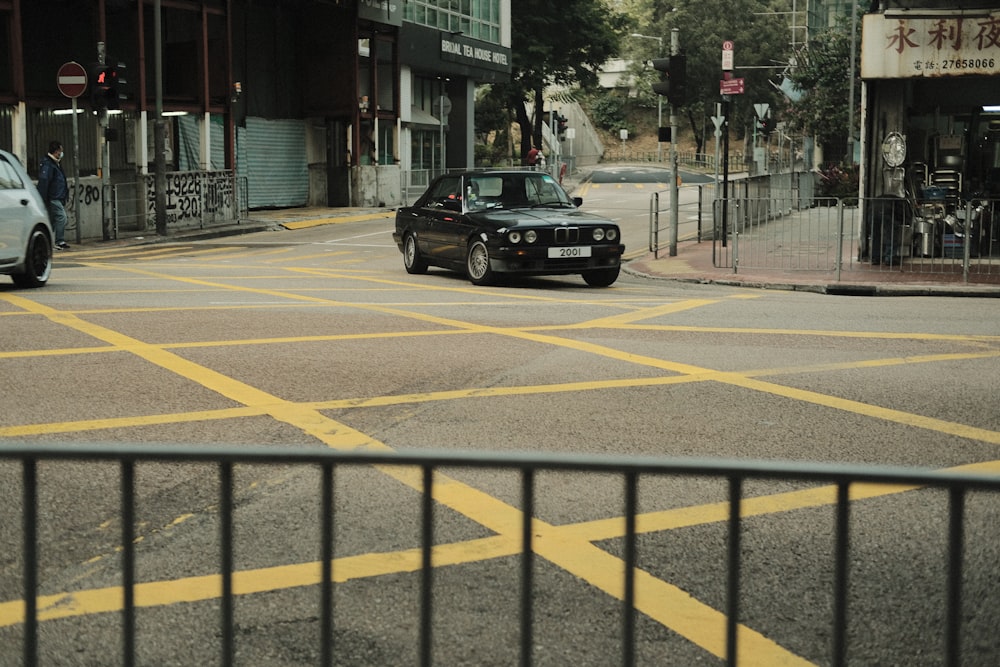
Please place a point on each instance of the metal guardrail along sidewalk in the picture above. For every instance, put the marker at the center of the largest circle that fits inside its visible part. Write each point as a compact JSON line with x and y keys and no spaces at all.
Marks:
{"x":878,"y":234}
{"x":735,"y":474}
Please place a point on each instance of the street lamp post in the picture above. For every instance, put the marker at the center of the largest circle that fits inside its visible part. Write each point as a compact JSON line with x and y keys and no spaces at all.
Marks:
{"x":659,"y":101}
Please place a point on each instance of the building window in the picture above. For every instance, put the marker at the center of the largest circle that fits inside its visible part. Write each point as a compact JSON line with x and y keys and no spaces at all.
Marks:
{"x":425,"y":150}
{"x":474,"y":18}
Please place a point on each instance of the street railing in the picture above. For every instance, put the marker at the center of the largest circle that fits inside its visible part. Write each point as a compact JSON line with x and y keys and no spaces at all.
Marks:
{"x":776,"y":229}
{"x":735,"y":474}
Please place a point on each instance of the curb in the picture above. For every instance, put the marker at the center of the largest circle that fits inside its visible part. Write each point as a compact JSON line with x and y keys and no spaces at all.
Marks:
{"x":833,"y":289}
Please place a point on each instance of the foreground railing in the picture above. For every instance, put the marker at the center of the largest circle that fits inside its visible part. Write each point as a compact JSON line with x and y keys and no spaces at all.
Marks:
{"x":735,"y":473}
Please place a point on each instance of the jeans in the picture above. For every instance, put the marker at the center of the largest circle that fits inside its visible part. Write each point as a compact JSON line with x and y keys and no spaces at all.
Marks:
{"x":57,"y":215}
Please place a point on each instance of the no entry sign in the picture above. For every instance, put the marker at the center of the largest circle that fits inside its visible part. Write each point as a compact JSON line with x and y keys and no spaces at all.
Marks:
{"x":72,"y":79}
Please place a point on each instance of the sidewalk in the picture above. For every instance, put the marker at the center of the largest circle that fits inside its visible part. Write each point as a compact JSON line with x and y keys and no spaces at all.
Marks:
{"x":694,"y":263}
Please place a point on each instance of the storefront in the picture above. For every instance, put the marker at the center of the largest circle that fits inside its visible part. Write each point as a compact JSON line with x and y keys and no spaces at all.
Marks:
{"x":440,"y":72}
{"x":931,"y":125}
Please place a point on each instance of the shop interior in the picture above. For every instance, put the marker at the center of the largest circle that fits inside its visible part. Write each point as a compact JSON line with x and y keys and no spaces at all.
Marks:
{"x":946,"y":163}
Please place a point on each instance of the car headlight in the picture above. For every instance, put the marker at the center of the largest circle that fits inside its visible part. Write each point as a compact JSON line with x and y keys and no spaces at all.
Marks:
{"x":598,"y":234}
{"x":514,"y":237}
{"x":612,"y":234}
{"x":531,"y":236}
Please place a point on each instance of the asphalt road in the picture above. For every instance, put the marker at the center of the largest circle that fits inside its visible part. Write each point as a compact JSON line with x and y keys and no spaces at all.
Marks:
{"x":318,"y":338}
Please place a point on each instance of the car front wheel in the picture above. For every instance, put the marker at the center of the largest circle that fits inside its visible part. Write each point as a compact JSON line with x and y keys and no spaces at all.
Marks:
{"x":412,"y":259}
{"x":477,"y":264}
{"x":37,"y":261}
{"x":601,"y":277}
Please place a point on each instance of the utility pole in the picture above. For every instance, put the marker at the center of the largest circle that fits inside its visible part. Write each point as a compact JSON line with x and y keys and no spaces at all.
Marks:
{"x":675,"y":48}
{"x":159,"y":142}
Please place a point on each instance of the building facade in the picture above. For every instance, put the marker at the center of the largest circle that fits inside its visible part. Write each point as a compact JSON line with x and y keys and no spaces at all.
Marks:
{"x":931,"y":99}
{"x":306,"y":102}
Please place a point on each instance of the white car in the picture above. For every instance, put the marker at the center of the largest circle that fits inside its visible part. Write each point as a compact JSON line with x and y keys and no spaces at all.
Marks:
{"x":25,"y":231}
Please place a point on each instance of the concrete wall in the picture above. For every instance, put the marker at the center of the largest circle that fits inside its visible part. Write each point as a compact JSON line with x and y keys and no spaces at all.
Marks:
{"x":377,"y":187}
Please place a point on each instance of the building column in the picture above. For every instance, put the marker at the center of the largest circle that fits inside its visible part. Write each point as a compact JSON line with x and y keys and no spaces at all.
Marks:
{"x":205,"y":142}
{"x":19,"y":133}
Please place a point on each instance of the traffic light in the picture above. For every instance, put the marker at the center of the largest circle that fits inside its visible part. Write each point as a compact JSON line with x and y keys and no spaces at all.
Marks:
{"x":673,"y":78}
{"x":99,"y":86}
{"x":106,"y":86}
{"x":766,"y":124}
{"x":562,"y":123}
{"x":117,"y":92}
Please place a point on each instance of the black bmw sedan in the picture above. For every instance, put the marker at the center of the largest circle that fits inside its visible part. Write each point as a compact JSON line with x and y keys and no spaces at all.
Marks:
{"x":488,"y":224}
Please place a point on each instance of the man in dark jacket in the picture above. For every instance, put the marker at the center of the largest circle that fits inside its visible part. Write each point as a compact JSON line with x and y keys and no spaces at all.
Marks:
{"x":54,"y":190}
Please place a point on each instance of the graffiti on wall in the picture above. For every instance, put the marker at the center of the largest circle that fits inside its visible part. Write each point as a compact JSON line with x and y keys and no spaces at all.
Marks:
{"x":194,"y":197}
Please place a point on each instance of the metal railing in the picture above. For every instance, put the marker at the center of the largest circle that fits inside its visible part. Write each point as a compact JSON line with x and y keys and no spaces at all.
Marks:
{"x":734,"y":473}
{"x":782,"y":191}
{"x":659,"y":214}
{"x":880,"y":234}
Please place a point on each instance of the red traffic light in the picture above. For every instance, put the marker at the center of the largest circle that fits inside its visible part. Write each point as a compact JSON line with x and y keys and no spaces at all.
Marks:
{"x":105,"y":91}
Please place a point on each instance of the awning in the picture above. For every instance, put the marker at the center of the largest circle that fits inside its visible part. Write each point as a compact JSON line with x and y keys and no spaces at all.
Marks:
{"x":420,"y":117}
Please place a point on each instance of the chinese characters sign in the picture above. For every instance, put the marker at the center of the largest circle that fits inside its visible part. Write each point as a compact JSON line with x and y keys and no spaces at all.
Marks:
{"x":900,"y":48}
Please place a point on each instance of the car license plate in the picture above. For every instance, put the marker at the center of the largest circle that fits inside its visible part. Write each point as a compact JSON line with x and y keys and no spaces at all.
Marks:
{"x":569,"y":252}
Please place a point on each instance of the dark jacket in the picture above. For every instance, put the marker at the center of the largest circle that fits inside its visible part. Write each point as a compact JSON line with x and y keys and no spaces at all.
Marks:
{"x":52,"y":181}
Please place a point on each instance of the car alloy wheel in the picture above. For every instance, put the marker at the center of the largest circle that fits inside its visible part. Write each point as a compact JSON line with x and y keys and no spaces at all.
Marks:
{"x":37,"y":261}
{"x":478,"y":263}
{"x":412,"y":260}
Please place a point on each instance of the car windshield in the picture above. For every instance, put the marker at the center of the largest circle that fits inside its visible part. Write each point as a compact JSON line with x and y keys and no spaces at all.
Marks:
{"x":520,"y":190}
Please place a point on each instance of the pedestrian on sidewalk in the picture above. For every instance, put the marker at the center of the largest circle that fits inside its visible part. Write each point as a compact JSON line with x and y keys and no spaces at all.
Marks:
{"x":55,"y":191}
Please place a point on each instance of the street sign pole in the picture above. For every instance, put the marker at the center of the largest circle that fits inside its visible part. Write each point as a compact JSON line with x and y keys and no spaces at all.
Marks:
{"x":675,"y":48}
{"x":727,"y":90}
{"x":71,"y":79}
{"x":76,"y":175}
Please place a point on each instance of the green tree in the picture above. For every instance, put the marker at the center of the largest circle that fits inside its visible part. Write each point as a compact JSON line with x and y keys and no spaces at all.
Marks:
{"x":561,"y":44}
{"x":822,"y":75}
{"x":761,"y":35}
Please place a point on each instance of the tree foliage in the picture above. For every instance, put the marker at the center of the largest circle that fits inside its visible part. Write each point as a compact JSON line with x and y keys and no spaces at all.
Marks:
{"x":562,"y":43}
{"x":759,"y":30}
{"x":822,"y":73}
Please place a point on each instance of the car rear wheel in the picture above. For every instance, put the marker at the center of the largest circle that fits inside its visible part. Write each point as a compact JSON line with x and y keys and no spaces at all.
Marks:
{"x":477,"y":264}
{"x":601,"y":277}
{"x":412,"y":259}
{"x":37,"y":261}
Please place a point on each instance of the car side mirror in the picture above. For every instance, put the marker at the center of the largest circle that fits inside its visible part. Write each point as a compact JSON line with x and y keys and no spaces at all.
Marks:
{"x":578,"y":201}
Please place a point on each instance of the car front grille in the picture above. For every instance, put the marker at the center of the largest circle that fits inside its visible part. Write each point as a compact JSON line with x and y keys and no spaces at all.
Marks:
{"x":563,"y":235}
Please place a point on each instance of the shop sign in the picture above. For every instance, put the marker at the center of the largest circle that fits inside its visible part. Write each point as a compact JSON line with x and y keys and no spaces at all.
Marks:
{"x":475,"y":53}
{"x":947,"y":45}
{"x":389,"y":12}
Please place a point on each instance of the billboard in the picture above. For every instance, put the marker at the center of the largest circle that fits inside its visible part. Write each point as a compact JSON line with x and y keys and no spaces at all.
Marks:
{"x":900,"y":47}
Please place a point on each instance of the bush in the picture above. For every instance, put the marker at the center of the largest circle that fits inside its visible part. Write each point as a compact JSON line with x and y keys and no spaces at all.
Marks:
{"x":839,"y":181}
{"x":608,"y":111}
{"x":490,"y":155}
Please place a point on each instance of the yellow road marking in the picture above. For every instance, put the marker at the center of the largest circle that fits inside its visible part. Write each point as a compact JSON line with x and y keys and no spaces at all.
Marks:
{"x":302,"y":224}
{"x":468,"y":501}
{"x":571,"y":550}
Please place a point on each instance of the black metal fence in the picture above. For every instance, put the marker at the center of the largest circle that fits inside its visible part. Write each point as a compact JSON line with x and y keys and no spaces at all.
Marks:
{"x":735,"y":475}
